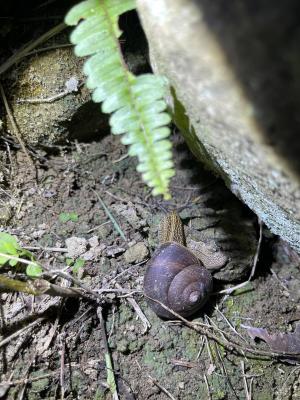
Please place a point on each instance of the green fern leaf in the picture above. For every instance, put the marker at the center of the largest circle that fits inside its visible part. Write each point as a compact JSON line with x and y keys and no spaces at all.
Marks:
{"x":136,"y":103}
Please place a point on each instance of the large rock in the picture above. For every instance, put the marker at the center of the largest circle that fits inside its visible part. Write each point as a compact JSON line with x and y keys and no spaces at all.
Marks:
{"x":44,"y":114}
{"x":235,"y":70}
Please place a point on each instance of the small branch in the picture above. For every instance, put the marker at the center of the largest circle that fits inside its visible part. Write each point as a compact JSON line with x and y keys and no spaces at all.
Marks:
{"x":19,"y":54}
{"x":108,"y":361}
{"x":207,"y":387}
{"x":247,"y":393}
{"x":111,"y":217}
{"x":55,"y":249}
{"x":228,"y":342}
{"x":163,"y":389}
{"x":37,"y":287}
{"x":14,"y":125}
{"x":18,"y":333}
{"x":71,"y":87}
{"x":138,"y":310}
{"x":62,"y":366}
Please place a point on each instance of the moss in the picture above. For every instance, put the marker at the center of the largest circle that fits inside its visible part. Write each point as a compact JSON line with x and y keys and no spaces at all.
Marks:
{"x":123,"y":346}
{"x":125,"y":314}
{"x":40,"y":385}
{"x":78,"y":383}
{"x":100,"y":394}
{"x":191,"y":343}
{"x":136,"y":345}
{"x":158,"y":361}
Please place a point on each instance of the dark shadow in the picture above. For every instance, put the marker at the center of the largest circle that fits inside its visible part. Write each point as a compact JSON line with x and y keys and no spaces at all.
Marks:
{"x":8,"y":330}
{"x":261,"y":41}
{"x":88,"y":124}
{"x":211,"y":213}
{"x":134,"y":44}
{"x":70,"y":308}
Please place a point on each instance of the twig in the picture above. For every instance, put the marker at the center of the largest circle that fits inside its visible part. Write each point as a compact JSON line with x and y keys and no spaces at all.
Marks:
{"x":54,"y":289}
{"x":163,"y":389}
{"x":248,"y":396}
{"x":14,"y":125}
{"x":138,"y":310}
{"x":229,"y":343}
{"x":225,"y":370}
{"x":54,"y":249}
{"x":201,"y":347}
{"x":97,"y":227}
{"x":156,"y":383}
{"x":110,"y":216}
{"x":19,"y":332}
{"x":22,"y":391}
{"x":127,"y":270}
{"x":230,"y":324}
{"x":43,"y":49}
{"x":41,"y":286}
{"x":108,"y":361}
{"x":23,"y":51}
{"x":37,"y":287}
{"x":207,"y":386}
{"x":48,"y":375}
{"x":121,"y":158}
{"x":112,"y":322}
{"x":212,"y":361}
{"x":184,"y":363}
{"x":62,"y":366}
{"x":117,"y":197}
{"x":283,"y":386}
{"x":50,"y":335}
{"x":278,"y":280}
{"x":210,"y":322}
{"x":40,"y":100}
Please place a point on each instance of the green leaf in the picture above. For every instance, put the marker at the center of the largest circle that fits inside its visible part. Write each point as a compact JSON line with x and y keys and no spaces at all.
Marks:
{"x":69,"y":261}
{"x":34,"y":270}
{"x":3,"y":260}
{"x":65,"y":217}
{"x":79,"y":263}
{"x":9,"y":244}
{"x":136,"y":103}
{"x":13,"y":263}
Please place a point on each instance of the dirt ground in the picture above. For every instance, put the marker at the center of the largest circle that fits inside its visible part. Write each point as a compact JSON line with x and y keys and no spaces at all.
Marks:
{"x":54,"y":348}
{"x":62,"y":356}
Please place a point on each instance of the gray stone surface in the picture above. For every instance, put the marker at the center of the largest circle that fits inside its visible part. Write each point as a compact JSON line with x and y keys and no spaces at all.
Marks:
{"x":43,"y":76}
{"x":47,"y":115}
{"x":235,"y":73}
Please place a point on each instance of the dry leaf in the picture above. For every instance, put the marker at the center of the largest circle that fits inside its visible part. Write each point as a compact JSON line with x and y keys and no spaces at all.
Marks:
{"x":288,"y":343}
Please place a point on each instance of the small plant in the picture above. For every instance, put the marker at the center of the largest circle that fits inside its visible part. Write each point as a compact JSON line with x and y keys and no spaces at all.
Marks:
{"x":75,"y":264}
{"x":136,"y":103}
{"x":11,"y":253}
{"x":65,"y":217}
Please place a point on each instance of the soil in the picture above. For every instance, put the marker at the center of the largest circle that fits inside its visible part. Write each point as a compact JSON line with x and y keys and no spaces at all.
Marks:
{"x":69,"y":340}
{"x":57,"y":350}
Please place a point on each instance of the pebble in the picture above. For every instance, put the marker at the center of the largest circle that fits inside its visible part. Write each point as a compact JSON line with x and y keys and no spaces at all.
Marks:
{"x":136,"y":253}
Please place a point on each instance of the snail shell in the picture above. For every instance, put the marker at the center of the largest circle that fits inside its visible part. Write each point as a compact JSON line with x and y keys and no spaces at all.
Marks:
{"x":176,"y":278}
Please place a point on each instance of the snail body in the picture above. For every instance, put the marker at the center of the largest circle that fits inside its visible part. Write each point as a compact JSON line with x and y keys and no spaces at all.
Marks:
{"x":175,"y":276}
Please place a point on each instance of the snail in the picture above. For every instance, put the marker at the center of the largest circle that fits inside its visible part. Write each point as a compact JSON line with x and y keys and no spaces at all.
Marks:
{"x":175,"y":276}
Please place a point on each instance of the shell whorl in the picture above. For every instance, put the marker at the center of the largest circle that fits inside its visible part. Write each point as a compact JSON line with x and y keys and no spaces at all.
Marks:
{"x":177,"y":279}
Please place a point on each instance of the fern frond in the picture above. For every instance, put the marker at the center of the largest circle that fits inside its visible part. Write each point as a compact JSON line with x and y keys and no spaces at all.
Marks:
{"x":136,"y":103}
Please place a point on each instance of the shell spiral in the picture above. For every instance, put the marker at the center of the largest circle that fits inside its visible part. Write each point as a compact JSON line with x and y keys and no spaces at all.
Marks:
{"x":176,"y":278}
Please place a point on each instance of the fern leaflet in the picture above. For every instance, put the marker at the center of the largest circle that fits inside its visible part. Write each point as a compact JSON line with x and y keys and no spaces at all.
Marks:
{"x":136,"y":103}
